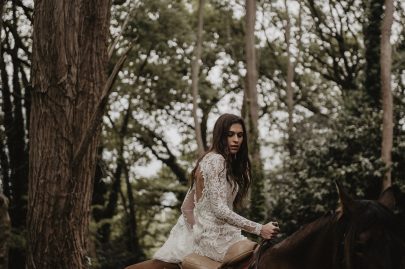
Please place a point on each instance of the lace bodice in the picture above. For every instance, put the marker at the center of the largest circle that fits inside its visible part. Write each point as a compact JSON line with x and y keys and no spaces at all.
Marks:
{"x":208,"y":216}
{"x":218,"y":195}
{"x":217,"y":226}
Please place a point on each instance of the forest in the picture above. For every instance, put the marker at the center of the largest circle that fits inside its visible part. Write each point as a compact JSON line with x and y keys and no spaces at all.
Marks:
{"x":106,"y":106}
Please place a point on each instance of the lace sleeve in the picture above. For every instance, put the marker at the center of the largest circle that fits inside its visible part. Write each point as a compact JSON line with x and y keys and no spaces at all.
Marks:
{"x":187,"y":208}
{"x":216,"y":185}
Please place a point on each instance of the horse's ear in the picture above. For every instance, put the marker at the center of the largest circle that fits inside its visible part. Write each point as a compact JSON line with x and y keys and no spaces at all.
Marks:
{"x":346,"y":202}
{"x":387,"y":198}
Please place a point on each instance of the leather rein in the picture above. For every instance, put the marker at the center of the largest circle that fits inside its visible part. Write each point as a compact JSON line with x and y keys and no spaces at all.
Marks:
{"x":263,"y":246}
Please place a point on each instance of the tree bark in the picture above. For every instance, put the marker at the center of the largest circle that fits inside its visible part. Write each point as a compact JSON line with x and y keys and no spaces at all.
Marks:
{"x":69,"y":62}
{"x":257,"y":204}
{"x":132,"y":239}
{"x":387,"y":103}
{"x":5,"y":231}
{"x":5,"y":169}
{"x":2,"y":2}
{"x":372,"y":42}
{"x":109,"y":211}
{"x":195,"y":71}
{"x":100,"y":190}
{"x":7,"y":122}
{"x":20,"y":169}
{"x":289,"y":87}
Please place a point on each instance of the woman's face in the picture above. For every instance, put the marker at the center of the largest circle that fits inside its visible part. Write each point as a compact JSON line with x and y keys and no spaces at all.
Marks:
{"x":235,"y":137}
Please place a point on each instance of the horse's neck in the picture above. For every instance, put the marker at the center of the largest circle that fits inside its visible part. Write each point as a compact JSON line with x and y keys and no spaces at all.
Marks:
{"x":307,"y":249}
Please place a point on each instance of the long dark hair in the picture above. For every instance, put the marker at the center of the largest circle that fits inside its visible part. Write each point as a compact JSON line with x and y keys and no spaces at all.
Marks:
{"x":237,"y":165}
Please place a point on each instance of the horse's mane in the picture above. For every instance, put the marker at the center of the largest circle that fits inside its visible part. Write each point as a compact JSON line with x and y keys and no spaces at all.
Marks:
{"x":304,"y":233}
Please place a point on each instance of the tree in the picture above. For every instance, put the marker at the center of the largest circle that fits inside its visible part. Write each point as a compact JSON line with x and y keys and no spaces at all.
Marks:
{"x":335,"y":47}
{"x":15,"y":50}
{"x":290,"y":78}
{"x":257,"y":210}
{"x":195,"y":68}
{"x":387,"y":103}
{"x":343,"y":143}
{"x":69,"y":89}
{"x":5,"y":228}
{"x":372,"y":43}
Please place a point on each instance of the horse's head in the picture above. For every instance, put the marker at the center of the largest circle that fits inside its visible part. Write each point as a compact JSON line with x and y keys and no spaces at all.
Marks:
{"x":373,"y":236}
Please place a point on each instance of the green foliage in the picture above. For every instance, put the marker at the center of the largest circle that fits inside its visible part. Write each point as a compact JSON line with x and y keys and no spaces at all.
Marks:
{"x":17,"y":239}
{"x":257,"y":200}
{"x":157,"y":209}
{"x":374,"y":11}
{"x":348,"y":151}
{"x":337,"y":132}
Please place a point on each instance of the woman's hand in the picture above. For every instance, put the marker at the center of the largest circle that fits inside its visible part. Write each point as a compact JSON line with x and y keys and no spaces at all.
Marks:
{"x":269,"y":230}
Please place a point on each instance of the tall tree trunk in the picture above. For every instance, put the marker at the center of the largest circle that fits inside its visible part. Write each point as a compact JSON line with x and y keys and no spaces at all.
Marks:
{"x":15,"y":132}
{"x":69,"y":63}
{"x":2,"y":2}
{"x":5,"y":169}
{"x":289,"y":87}
{"x":132,"y":240}
{"x":387,"y":103}
{"x":20,"y":171}
{"x":206,"y":109}
{"x":14,"y":151}
{"x":195,"y":71}
{"x":372,"y":41}
{"x":5,"y":231}
{"x":100,"y":191}
{"x":109,"y":211}
{"x":258,"y":200}
{"x":7,"y":122}
{"x":204,"y":121}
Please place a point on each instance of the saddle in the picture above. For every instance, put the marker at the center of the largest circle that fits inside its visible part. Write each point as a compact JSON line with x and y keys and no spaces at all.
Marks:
{"x":236,"y":253}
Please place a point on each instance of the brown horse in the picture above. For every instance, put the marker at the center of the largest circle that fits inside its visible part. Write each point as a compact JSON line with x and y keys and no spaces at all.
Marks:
{"x":361,"y":234}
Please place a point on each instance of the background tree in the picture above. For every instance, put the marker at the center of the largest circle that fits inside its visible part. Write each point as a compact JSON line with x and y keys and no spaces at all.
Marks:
{"x":5,"y":226}
{"x":195,"y":70}
{"x":387,"y":103}
{"x":345,"y":144}
{"x":372,"y":41}
{"x":252,"y":115}
{"x":15,"y":63}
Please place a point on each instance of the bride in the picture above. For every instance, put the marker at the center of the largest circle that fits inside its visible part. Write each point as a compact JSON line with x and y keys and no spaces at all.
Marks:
{"x":220,"y":181}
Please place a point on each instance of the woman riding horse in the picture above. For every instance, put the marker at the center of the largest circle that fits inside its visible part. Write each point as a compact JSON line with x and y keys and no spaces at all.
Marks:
{"x":220,"y":180}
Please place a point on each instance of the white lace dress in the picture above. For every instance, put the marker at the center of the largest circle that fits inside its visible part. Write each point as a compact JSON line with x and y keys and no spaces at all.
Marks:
{"x":208,"y":220}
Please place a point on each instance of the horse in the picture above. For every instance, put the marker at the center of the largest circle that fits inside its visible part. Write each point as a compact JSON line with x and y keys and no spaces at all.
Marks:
{"x":360,"y":234}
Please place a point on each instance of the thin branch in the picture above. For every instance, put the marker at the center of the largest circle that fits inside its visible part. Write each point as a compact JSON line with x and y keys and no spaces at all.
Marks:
{"x":28,"y":11}
{"x":116,"y":39}
{"x":99,"y":111}
{"x":17,"y":39}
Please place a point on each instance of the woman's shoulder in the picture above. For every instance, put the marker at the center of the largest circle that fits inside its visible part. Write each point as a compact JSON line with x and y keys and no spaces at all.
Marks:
{"x":212,"y":160}
{"x":211,"y":164}
{"x":213,"y":156}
